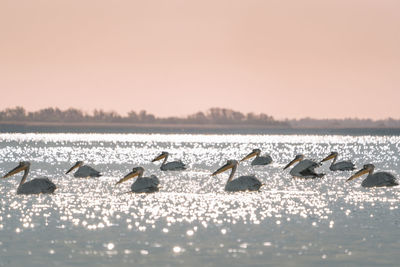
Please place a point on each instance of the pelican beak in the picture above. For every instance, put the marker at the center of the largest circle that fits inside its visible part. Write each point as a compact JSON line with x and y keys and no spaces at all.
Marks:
{"x":128,"y":176}
{"x":331,"y":156}
{"x":222,"y":169}
{"x":17,"y":169}
{"x":291,"y":163}
{"x":252,"y":154}
{"x":358,"y":174}
{"x":159,"y":157}
{"x":73,"y":167}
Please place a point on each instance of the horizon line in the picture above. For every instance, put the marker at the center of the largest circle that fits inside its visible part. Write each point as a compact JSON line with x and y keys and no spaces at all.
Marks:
{"x":200,"y":111}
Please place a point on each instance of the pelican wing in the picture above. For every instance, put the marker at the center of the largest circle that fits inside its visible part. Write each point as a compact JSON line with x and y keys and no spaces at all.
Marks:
{"x":305,"y":169}
{"x":243,"y":183}
{"x":342,"y":166}
{"x":145,"y":184}
{"x":86,"y":171}
{"x":380,"y":179}
{"x":37,"y":186}
{"x":264,"y":160}
{"x":173,"y":166}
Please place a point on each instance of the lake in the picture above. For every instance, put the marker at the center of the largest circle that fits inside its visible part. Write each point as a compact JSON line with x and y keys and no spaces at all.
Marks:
{"x":191,"y":220}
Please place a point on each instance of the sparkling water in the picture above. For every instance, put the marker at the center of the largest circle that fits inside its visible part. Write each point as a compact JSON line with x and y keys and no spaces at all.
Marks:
{"x":191,"y":220}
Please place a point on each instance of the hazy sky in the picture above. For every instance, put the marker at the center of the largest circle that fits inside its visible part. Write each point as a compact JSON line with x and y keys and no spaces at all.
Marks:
{"x":289,"y":59}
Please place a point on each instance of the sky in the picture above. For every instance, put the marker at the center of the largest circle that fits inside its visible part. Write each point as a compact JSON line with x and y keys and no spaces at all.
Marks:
{"x":288,"y":59}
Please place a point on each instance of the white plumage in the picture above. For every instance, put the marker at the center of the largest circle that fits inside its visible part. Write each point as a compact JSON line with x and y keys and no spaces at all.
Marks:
{"x":35,"y":186}
{"x":142,"y":184}
{"x":84,"y":171}
{"x":242,"y":183}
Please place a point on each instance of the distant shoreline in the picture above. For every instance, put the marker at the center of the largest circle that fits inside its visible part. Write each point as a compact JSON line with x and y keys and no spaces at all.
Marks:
{"x":139,"y":125}
{"x":149,"y":128}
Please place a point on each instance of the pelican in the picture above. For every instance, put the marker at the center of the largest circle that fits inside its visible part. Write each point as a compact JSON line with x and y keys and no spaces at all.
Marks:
{"x":339,"y":166}
{"x":241,"y":183}
{"x":83,"y":171}
{"x":304,"y":169}
{"x":378,"y":179}
{"x":259,"y":160}
{"x":35,"y":186}
{"x":170,"y":166}
{"x":142,"y":184}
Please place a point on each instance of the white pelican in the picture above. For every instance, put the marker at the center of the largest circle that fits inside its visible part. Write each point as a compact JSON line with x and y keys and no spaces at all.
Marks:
{"x":378,"y":179}
{"x":170,"y":166}
{"x":304,"y":169}
{"x":259,"y":160}
{"x":142,"y":184}
{"x":339,"y":166}
{"x":241,"y":183}
{"x":83,"y":171}
{"x":35,"y":186}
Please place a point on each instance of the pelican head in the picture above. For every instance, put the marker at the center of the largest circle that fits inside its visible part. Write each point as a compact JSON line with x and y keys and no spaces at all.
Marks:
{"x":77,"y":164}
{"x":368,"y":168}
{"x":161,"y":156}
{"x":22,"y":166}
{"x":298,"y":158}
{"x":330,"y":156}
{"x":254,"y":153}
{"x":229,"y":165}
{"x":137,"y":171}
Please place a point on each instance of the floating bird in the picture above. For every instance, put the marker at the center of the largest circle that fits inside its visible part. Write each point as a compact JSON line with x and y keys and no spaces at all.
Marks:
{"x":142,"y":184}
{"x":339,"y":166}
{"x":35,"y":186}
{"x":83,"y":171}
{"x":241,"y":183}
{"x":304,"y":169}
{"x":378,"y":179}
{"x":170,"y":166}
{"x":259,"y":160}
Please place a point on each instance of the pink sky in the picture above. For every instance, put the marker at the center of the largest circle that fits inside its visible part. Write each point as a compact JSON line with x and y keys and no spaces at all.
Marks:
{"x":289,"y":59}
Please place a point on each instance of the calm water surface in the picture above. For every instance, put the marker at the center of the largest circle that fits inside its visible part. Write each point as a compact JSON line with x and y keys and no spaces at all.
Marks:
{"x":192,"y":221}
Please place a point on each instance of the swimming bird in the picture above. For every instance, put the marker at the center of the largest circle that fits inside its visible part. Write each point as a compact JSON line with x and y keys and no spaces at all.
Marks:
{"x":142,"y":184}
{"x":377,"y":179}
{"x":304,"y":169}
{"x":177,"y":165}
{"x":241,"y":183}
{"x":259,"y":160}
{"x":34,"y":186}
{"x":83,"y":171}
{"x":338,"y":166}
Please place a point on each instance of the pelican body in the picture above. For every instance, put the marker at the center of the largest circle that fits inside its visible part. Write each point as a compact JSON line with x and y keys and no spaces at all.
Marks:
{"x":378,"y":179}
{"x":34,"y":186}
{"x":242,"y":183}
{"x":259,"y":160}
{"x":338,"y":166}
{"x":142,"y":184}
{"x":83,"y":171}
{"x":177,"y":165}
{"x":305,"y":168}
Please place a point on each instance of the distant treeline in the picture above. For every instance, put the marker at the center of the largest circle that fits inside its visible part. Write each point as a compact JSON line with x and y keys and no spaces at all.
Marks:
{"x":214,"y":116}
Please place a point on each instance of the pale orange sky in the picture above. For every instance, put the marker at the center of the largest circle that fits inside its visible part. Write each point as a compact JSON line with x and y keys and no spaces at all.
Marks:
{"x":289,"y":59}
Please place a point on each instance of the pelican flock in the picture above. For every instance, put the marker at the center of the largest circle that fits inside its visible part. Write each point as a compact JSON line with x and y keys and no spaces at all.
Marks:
{"x":142,"y":184}
{"x":34,"y":186}
{"x":242,"y":183}
{"x":83,"y":171}
{"x":259,"y":160}
{"x":338,"y":166}
{"x":177,"y":165}
{"x":377,"y":179}
{"x":305,"y":168}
